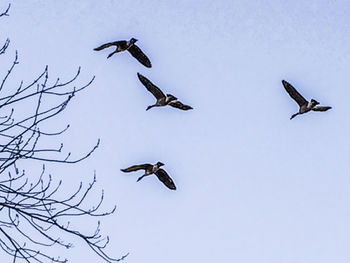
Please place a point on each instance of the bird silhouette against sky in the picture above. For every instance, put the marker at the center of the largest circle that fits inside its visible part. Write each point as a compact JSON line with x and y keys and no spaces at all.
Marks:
{"x":162,"y":99}
{"x":304,"y":105}
{"x":130,"y":46}
{"x":153,"y":169}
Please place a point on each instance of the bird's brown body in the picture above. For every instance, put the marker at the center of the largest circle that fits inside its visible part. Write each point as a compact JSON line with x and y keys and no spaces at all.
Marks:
{"x":304,"y":105}
{"x":129,"y":46}
{"x":162,"y":99}
{"x":153,"y":169}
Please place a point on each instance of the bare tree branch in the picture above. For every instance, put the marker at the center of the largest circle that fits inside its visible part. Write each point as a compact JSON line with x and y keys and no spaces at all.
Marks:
{"x":5,"y":13}
{"x":33,"y":214}
{"x":4,"y":47}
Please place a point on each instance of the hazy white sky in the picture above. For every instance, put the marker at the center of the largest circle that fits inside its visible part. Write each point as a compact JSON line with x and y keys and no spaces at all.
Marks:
{"x":252,"y":185}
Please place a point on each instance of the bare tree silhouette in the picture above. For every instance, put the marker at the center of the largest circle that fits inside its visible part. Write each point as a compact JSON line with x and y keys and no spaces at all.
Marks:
{"x":32,"y":216}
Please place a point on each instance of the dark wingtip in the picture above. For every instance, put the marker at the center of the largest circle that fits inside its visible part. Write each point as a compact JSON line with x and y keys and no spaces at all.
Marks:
{"x":140,"y":76}
{"x":285,"y":83}
{"x":171,"y":186}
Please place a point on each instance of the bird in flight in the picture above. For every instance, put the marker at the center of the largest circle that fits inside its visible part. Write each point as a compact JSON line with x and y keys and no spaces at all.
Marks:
{"x":162,"y":99}
{"x":304,"y":105}
{"x":153,"y":169}
{"x":130,"y":46}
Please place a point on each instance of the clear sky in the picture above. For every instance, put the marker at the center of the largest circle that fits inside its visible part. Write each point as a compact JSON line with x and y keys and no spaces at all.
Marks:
{"x":252,"y":185}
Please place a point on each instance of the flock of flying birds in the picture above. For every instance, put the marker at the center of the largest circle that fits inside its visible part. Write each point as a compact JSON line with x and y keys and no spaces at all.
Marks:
{"x":168,"y":99}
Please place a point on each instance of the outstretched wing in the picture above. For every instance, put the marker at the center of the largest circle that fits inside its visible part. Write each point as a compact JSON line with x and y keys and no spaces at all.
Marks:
{"x":165,"y":178}
{"x":115,"y":43}
{"x":136,"y":167}
{"x":294,"y":94}
{"x":179,"y":105}
{"x":137,"y":53}
{"x":321,"y":108}
{"x":151,"y":87}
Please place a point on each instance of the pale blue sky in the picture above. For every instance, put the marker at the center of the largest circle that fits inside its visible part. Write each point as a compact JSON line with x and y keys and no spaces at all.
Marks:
{"x":252,"y":186}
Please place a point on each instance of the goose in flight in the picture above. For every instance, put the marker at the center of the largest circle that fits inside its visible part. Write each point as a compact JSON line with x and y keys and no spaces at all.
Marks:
{"x":304,"y":105}
{"x":130,"y":46}
{"x":153,"y":169}
{"x":162,"y":99}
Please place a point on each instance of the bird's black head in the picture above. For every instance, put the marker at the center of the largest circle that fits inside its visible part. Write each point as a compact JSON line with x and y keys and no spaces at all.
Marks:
{"x":133,"y":40}
{"x":159,"y":164}
{"x":150,"y":107}
{"x":314,"y":102}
